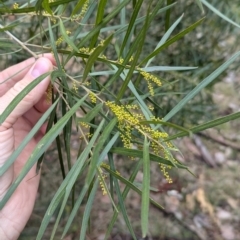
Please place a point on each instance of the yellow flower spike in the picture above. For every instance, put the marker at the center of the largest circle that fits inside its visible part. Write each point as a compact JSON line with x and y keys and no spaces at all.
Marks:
{"x":105,"y":165}
{"x":84,"y":124}
{"x":15,"y":6}
{"x":150,"y":88}
{"x":59,"y":41}
{"x":131,"y":59}
{"x":128,"y":120}
{"x":150,"y":107}
{"x":79,"y":16}
{"x":165,"y":173}
{"x":85,"y":8}
{"x":53,"y":20}
{"x":149,"y":77}
{"x":103,"y":56}
{"x":120,"y":60}
{"x":101,"y":179}
{"x":101,"y":43}
{"x":74,"y":87}
{"x":87,"y":83}
{"x":89,"y":135}
{"x":169,"y":145}
{"x":92,"y":97}
{"x":69,"y":48}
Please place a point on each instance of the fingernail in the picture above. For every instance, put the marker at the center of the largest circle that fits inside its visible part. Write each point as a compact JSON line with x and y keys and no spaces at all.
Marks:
{"x":39,"y":68}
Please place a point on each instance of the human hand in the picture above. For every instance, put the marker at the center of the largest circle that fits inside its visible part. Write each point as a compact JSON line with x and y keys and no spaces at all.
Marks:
{"x":16,"y":212}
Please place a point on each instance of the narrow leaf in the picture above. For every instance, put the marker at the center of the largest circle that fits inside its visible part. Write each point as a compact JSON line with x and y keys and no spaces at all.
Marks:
{"x":87,"y":211}
{"x":207,"y":125}
{"x":120,"y":199}
{"x":92,"y":58}
{"x":91,"y":114}
{"x":145,"y":188}
{"x":172,"y":125}
{"x":130,"y":185}
{"x":208,"y":5}
{"x":67,"y":185}
{"x":131,"y":25}
{"x":100,"y":13}
{"x":77,"y":7}
{"x":200,"y":86}
{"x":46,"y":6}
{"x":26,"y":140}
{"x":124,"y":195}
{"x":172,"y":40}
{"x":66,"y":37}
{"x":94,"y":162}
{"x":199,"y":3}
{"x":166,"y":36}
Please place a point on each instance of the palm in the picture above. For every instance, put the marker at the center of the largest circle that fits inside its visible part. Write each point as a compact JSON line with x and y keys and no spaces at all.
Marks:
{"x":16,"y":212}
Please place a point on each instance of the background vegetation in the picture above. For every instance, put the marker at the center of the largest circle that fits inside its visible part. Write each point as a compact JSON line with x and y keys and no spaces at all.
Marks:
{"x":102,"y":50}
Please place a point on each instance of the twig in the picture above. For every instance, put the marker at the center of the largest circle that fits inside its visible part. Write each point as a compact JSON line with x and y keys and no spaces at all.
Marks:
{"x":19,"y":42}
{"x":221,"y":141}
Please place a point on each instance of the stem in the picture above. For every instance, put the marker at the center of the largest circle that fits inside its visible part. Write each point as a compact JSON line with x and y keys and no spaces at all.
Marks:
{"x":19,"y":42}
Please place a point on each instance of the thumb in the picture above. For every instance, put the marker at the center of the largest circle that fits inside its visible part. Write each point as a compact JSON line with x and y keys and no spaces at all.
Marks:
{"x":41,"y":66}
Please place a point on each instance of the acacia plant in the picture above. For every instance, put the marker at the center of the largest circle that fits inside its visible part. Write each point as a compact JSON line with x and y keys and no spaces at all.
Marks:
{"x":108,"y":93}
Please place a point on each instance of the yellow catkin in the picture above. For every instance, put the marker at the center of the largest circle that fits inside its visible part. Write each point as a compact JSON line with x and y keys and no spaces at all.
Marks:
{"x":120,"y":60}
{"x":15,"y":6}
{"x":105,"y":165}
{"x":103,"y":56}
{"x":150,"y":78}
{"x":108,"y":167}
{"x":89,"y":135}
{"x":129,"y":119}
{"x":79,"y":16}
{"x":165,"y":173}
{"x":61,"y":39}
{"x":87,"y":83}
{"x":101,"y":178}
{"x":74,"y":87}
{"x":92,"y":97}
{"x":53,"y":20}
{"x":86,"y":50}
{"x":84,"y":124}
{"x":150,"y":107}
{"x":101,"y":43}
